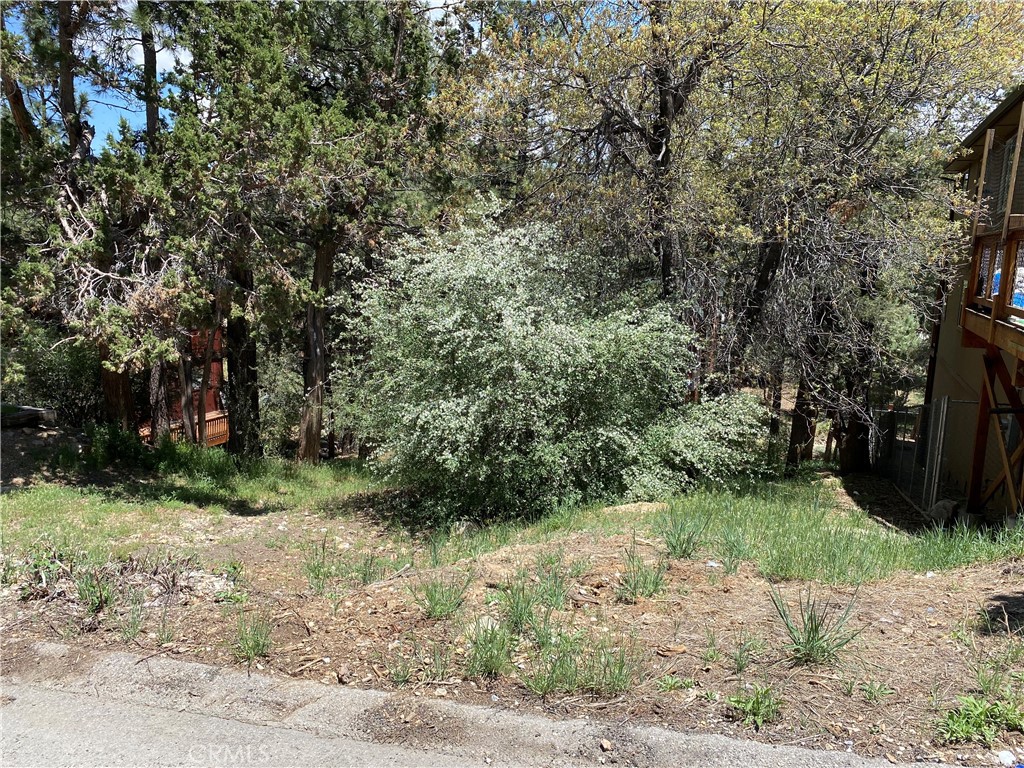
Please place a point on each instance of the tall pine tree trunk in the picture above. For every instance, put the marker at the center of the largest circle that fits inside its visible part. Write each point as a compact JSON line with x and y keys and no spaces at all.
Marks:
{"x":188,"y":420}
{"x":243,"y":394}
{"x":160,"y":415}
{"x":315,"y":362}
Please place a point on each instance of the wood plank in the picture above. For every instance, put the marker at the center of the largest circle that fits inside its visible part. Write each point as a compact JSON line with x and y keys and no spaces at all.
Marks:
{"x":990,"y":135}
{"x":974,"y":490}
{"x":1013,"y":175}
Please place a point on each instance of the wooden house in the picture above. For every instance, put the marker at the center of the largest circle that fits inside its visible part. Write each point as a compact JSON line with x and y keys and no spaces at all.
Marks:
{"x":978,"y":346}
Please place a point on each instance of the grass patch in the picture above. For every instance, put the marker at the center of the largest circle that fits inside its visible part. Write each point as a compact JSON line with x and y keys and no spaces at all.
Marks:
{"x":490,"y":651}
{"x":818,"y":632}
{"x":640,"y":579}
{"x":252,"y":639}
{"x":757,"y":708}
{"x":441,"y":597}
{"x":979,"y":720}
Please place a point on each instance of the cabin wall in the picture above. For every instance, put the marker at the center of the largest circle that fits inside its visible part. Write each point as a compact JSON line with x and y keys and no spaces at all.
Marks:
{"x":958,"y":375}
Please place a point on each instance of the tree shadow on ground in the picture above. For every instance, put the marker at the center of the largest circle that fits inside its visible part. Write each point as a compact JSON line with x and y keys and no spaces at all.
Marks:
{"x":156,"y":490}
{"x":1003,"y":614}
{"x":881,"y":501}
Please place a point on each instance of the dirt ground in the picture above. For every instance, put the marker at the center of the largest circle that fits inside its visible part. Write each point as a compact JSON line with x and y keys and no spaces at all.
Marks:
{"x":923,"y":638}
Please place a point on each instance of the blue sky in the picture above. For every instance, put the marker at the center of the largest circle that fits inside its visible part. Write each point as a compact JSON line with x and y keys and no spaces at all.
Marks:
{"x":107,"y":108}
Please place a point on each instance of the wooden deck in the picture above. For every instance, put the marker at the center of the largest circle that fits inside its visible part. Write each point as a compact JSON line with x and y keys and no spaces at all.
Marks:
{"x":216,"y":429}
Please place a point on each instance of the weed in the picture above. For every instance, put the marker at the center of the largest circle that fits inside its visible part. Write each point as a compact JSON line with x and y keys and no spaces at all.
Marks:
{"x":848,"y":687}
{"x":253,"y":637}
{"x":669,"y":683}
{"x":441,"y":597}
{"x":321,"y":566}
{"x":490,"y":648}
{"x":711,"y":653}
{"x":821,"y":633}
{"x":95,"y":591}
{"x":710,"y":696}
{"x":991,"y":682}
{"x":370,"y":569}
{"x":979,"y":720}
{"x":233,"y":570}
{"x":552,"y":583}
{"x":640,"y":579}
{"x":875,"y":691}
{"x":555,"y":666}
{"x":436,"y":662}
{"x":756,"y":708}
{"x":129,"y":623}
{"x":164,"y":632}
{"x":745,"y":652}
{"x":612,"y":670}
{"x":682,"y":534}
{"x":231,"y":595}
{"x":399,"y":669}
{"x":518,"y":601}
{"x":734,"y":549}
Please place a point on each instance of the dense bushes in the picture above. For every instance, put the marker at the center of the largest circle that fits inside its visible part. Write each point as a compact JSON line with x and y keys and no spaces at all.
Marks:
{"x":499,"y":384}
{"x":715,"y":441}
{"x":42,"y":368}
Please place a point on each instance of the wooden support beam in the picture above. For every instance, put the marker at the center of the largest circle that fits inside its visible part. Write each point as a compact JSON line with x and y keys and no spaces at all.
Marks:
{"x":1013,"y":177}
{"x":990,"y":136}
{"x":1007,"y":473}
{"x":991,"y":488}
{"x":1003,"y":374}
{"x":974,"y":490}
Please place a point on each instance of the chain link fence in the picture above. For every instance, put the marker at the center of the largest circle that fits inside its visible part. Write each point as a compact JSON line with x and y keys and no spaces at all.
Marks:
{"x":921,"y":449}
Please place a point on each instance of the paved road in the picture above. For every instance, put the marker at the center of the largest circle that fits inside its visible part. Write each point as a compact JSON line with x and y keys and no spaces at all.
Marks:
{"x":64,"y":707}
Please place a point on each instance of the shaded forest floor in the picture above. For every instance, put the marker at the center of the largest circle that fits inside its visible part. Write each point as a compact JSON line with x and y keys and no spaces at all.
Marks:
{"x":342,"y":583}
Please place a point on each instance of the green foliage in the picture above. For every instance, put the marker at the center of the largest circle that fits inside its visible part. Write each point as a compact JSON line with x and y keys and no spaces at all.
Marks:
{"x":819,"y":633}
{"x":557,"y":665}
{"x":979,"y":720}
{"x":669,"y":683}
{"x":441,"y":597}
{"x":682,"y":533}
{"x":252,"y":639}
{"x":96,"y":590}
{"x":518,"y":601}
{"x":757,"y":708}
{"x":612,"y":670}
{"x":640,"y":579}
{"x":490,"y":649}
{"x":322,"y":565}
{"x":499,"y":384}
{"x":42,"y":367}
{"x":719,"y":441}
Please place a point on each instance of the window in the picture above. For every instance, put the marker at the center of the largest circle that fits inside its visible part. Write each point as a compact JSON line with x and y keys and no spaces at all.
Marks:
{"x":997,"y":273}
{"x":1017,"y":299}
{"x":984,"y":265}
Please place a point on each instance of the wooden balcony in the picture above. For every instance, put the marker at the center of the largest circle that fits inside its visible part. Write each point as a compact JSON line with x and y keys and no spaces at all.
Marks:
{"x":216,"y":429}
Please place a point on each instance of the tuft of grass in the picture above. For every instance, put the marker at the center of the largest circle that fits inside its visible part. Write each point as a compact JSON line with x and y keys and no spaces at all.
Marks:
{"x":640,"y":579}
{"x":399,"y":669}
{"x":552,"y":580}
{"x":252,"y":639}
{"x":436,"y":662}
{"x":818,"y":633}
{"x":129,"y":623}
{"x":321,"y":565}
{"x":979,"y":720}
{"x":756,"y":708}
{"x":370,"y":569}
{"x":518,"y":600}
{"x":441,"y":597}
{"x":96,"y":590}
{"x":682,"y":533}
{"x":555,"y":667}
{"x":745,"y":652}
{"x":612,"y":669}
{"x":490,"y":650}
{"x":711,"y":653}
{"x":875,"y":691}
